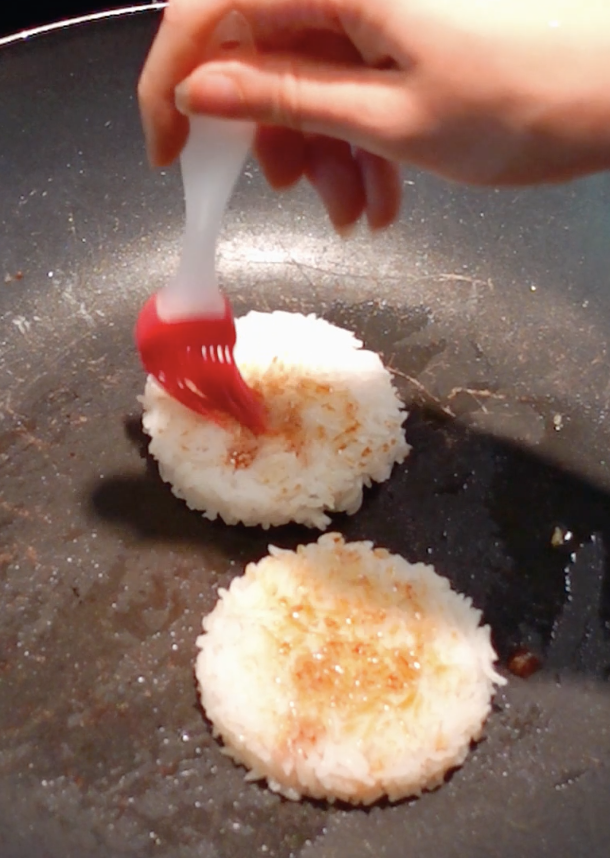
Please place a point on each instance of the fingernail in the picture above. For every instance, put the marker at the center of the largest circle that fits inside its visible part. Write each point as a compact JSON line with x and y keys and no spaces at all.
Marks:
{"x":344,"y":230}
{"x":232,"y":33}
{"x":211,"y":92}
{"x":181,"y":98}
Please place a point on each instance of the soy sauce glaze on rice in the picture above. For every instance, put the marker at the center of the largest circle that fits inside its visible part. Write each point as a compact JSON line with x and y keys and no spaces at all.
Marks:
{"x":341,"y":671}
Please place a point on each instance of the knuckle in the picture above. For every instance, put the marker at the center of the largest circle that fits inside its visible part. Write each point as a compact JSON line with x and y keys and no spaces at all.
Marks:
{"x":288,"y":98}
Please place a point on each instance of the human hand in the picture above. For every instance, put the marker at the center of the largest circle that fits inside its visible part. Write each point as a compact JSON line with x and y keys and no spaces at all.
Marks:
{"x":480,"y":91}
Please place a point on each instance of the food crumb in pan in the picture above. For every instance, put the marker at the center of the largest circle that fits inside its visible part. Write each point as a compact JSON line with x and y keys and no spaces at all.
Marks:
{"x":334,"y":427}
{"x":560,"y":536}
{"x":342,"y":672}
{"x":10,"y":278}
{"x":523,"y":663}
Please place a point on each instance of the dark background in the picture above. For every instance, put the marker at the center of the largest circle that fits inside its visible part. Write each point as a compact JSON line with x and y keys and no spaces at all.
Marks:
{"x":31,"y":13}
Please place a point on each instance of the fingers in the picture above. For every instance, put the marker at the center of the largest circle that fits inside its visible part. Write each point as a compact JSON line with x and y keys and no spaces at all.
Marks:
{"x":286,"y":156}
{"x":370,"y":108}
{"x":382,"y":185}
{"x":349,"y":183}
{"x":281,"y":153}
{"x":179,"y":47}
{"x":300,"y":101}
{"x":334,"y":173}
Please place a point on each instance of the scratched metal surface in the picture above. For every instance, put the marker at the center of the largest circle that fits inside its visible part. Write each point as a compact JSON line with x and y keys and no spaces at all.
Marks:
{"x":494,"y":310}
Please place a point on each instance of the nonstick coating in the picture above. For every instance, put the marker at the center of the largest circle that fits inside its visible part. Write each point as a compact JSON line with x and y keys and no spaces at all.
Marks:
{"x":494,"y":308}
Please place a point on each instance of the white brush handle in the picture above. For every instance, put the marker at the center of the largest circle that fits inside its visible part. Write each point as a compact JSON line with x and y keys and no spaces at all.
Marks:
{"x":211,"y":163}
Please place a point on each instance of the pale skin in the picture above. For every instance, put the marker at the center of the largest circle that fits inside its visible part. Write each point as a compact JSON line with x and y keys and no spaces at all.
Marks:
{"x":485,"y":92}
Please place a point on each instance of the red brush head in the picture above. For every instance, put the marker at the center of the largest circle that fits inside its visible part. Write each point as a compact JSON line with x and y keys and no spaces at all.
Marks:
{"x":192,"y":359}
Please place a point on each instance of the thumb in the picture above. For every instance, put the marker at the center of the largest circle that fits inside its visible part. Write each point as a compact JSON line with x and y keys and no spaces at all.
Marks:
{"x":366,"y":107}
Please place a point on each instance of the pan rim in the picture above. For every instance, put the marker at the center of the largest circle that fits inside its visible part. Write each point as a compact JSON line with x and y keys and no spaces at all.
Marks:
{"x":92,"y":17}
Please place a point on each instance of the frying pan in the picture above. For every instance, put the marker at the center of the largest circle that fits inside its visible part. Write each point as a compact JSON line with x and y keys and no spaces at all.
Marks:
{"x":494,"y":310}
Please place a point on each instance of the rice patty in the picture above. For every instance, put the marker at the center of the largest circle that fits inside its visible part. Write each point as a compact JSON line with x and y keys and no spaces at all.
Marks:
{"x":335,"y":426}
{"x":341,"y":671}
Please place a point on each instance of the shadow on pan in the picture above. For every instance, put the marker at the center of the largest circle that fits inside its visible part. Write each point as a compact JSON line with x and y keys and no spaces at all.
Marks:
{"x":524,"y":539}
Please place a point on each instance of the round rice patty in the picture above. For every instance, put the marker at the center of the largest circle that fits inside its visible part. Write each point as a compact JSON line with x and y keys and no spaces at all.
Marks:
{"x":335,"y":426}
{"x":341,"y":671}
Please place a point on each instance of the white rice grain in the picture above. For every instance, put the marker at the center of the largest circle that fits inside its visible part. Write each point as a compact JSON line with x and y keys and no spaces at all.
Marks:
{"x":341,"y":671}
{"x":335,"y":426}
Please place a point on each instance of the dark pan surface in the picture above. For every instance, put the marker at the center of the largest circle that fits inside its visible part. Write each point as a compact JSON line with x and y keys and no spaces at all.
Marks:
{"x":494,"y":308}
